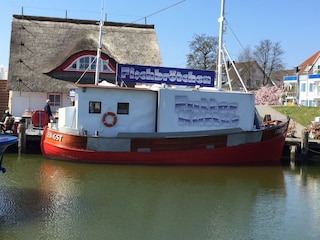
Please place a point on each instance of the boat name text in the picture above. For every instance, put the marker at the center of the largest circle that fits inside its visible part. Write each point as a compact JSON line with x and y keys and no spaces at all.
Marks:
{"x":56,"y":137}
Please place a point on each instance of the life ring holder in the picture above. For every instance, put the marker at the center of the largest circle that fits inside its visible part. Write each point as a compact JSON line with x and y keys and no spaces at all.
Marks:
{"x":39,"y":118}
{"x":114,"y":119}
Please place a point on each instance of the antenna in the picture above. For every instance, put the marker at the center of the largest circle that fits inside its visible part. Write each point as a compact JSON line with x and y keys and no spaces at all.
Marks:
{"x":222,"y":50}
{"x":221,"y":21}
{"x":96,"y":77}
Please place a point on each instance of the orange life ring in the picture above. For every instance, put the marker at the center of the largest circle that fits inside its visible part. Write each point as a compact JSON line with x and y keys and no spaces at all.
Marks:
{"x":39,"y":118}
{"x":114,"y":119}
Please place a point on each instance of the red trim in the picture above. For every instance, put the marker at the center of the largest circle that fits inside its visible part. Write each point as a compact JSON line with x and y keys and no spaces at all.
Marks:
{"x":74,"y":57}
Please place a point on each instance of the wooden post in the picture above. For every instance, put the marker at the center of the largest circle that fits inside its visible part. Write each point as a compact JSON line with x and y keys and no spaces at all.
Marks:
{"x":304,"y":144}
{"x":293,"y":150}
{"x":22,"y":137}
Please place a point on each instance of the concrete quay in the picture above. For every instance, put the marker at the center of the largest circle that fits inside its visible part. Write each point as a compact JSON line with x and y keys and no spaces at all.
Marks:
{"x":266,"y":109}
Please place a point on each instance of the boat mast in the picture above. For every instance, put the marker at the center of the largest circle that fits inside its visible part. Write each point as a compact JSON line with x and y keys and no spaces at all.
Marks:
{"x":96,"y":77}
{"x":220,"y":47}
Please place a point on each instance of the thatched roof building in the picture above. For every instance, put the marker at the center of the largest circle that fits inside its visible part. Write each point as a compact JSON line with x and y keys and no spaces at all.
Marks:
{"x":42,"y":47}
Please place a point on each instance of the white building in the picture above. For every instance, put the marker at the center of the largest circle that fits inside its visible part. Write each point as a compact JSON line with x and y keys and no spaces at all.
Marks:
{"x":304,"y":87}
{"x":3,"y":73}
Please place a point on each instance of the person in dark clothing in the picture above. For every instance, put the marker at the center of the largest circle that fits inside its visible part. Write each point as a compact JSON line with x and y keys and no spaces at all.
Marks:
{"x":47,"y":109}
{"x":6,"y":114}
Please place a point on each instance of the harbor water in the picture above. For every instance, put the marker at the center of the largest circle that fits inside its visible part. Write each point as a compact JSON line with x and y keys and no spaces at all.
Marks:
{"x":46,"y":199}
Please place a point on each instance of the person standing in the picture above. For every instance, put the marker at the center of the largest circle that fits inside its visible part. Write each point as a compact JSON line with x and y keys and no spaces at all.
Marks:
{"x":6,"y":114}
{"x":47,"y":109}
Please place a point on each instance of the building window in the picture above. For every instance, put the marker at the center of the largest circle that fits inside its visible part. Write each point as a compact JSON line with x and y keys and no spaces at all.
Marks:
{"x":88,"y":63}
{"x":303,"y":87}
{"x":84,"y":63}
{"x":55,"y":101}
{"x":123,"y":108}
{"x":311,"y":87}
{"x":308,"y":68}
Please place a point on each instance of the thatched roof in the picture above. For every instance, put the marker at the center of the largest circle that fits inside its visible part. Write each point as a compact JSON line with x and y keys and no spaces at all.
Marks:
{"x":40,"y":44}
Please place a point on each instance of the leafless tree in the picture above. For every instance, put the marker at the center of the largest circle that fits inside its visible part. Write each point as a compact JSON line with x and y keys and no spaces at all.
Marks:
{"x":246,"y":55}
{"x":203,"y":52}
{"x":269,"y":56}
{"x":248,"y":71}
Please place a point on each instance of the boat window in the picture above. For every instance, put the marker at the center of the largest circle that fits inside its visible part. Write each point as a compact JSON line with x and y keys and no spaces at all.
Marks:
{"x":94,"y":107}
{"x":123,"y":108}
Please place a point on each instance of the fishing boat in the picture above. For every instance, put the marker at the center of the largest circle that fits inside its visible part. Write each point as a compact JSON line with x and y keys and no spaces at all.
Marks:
{"x":171,"y":117}
{"x":5,"y":142}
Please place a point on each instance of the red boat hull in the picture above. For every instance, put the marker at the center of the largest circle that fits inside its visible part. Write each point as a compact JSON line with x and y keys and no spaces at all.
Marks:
{"x":268,"y":151}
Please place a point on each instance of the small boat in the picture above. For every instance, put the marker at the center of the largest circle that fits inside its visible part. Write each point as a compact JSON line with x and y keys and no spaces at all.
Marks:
{"x":5,"y":141}
{"x":177,"y":117}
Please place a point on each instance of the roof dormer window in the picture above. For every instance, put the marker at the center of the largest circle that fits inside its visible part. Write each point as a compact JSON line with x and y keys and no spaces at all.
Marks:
{"x":308,"y":68}
{"x":88,"y":63}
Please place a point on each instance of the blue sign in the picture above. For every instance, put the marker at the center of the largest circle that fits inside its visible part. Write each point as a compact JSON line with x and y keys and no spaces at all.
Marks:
{"x":290,"y":78}
{"x":163,"y":75}
{"x":314,"y":76}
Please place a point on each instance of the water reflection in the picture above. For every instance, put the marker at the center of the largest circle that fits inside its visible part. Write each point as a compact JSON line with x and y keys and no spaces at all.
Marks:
{"x":19,"y":205}
{"x":58,"y":200}
{"x":303,"y":200}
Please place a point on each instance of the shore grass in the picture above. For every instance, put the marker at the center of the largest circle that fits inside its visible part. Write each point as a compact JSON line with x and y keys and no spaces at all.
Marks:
{"x":300,"y":114}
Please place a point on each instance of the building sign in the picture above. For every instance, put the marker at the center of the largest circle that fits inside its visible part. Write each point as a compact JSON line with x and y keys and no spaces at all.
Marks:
{"x":163,"y":75}
{"x":290,"y":78}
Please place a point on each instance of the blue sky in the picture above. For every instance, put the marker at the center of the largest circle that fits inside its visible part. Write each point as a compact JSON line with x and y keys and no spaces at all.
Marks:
{"x":293,"y":24}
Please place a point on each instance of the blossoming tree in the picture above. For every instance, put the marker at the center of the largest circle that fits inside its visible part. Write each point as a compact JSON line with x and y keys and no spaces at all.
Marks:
{"x":268,"y":95}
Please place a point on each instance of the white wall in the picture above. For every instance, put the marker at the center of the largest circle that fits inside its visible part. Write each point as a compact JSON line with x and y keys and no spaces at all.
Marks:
{"x":20,"y":101}
{"x":315,"y":66}
{"x":141,"y":117}
{"x":67,"y":117}
{"x":198,"y":111}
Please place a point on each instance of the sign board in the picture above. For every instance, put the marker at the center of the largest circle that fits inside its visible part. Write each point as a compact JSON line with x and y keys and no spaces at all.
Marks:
{"x":164,"y":75}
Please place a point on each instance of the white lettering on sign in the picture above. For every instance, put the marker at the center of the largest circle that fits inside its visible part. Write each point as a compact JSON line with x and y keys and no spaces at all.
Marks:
{"x":172,"y":76}
{"x":166,"y":75}
{"x":206,"y":112}
{"x":56,"y":137}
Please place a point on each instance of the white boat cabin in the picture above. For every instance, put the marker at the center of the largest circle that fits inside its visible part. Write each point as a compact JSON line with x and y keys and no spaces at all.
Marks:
{"x":108,"y":111}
